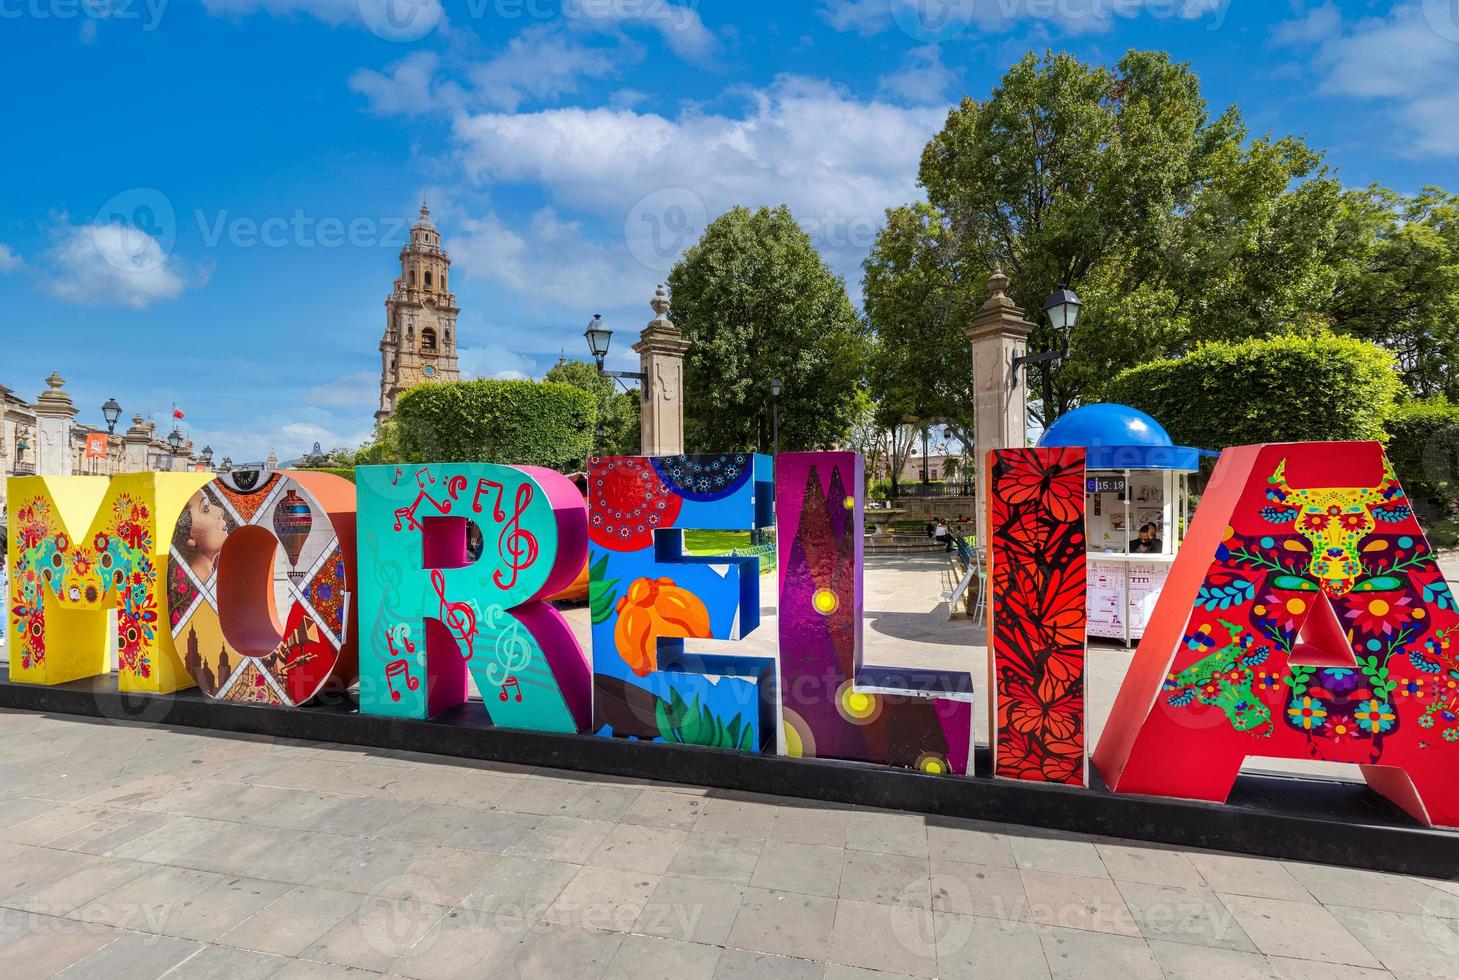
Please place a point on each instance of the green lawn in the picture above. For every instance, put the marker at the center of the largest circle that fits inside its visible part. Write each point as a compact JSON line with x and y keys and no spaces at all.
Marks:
{"x":715,"y":542}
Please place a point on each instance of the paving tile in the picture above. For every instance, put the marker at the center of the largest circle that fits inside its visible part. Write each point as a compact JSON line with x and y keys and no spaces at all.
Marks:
{"x":887,"y":833}
{"x":219,"y":908}
{"x":887,"y":879}
{"x":541,"y":796}
{"x":647,"y":958}
{"x":50,"y":821}
{"x":463,"y":945}
{"x":784,"y":923}
{"x":741,"y":817}
{"x":1359,"y":889}
{"x":226,"y":963}
{"x":1194,"y":916}
{"x":40,"y":946}
{"x":1076,"y":901}
{"x":570,"y":839}
{"x":824,"y":824}
{"x":23,"y":869}
{"x":744,"y":964}
{"x":492,"y":830}
{"x":975,"y":948}
{"x":1148,"y":864}
{"x":895,"y":938}
{"x":837,"y":971}
{"x":608,"y":899}
{"x":375,"y":934}
{"x":1036,"y":850}
{"x":521,"y":887}
{"x":657,"y":808}
{"x":428,"y":824}
{"x":294,"y":922}
{"x":1297,"y":929}
{"x":1286,"y":968}
{"x":1078,"y":954}
{"x":698,"y":910}
{"x":968,"y":842}
{"x":551,"y":952}
{"x":978,"y":889}
{"x":362,"y":865}
{"x":602,"y":801}
{"x":145,"y":902}
{"x":441,"y":876}
{"x":104,"y":835}
{"x":315,"y":970}
{"x":67,"y":892}
{"x":1238,"y":874}
{"x":133,"y":956}
{"x":1180,"y":961}
{"x":811,"y":868}
{"x":1404,"y":942}
{"x":174,"y":841}
{"x":634,"y":848}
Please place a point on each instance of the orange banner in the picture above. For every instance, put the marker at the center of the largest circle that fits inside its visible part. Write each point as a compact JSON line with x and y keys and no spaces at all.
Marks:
{"x":96,"y":445}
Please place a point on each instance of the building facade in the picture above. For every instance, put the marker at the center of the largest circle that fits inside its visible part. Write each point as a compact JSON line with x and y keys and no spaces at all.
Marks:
{"x":419,"y":345}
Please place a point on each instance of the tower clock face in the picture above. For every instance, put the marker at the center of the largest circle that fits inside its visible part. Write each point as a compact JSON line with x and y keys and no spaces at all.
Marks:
{"x":429,"y":370}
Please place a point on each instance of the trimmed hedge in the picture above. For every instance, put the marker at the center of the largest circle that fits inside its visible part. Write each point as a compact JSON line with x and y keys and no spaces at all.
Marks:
{"x":348,"y":472}
{"x":1277,"y":389}
{"x":1423,"y":443}
{"x":535,"y":423}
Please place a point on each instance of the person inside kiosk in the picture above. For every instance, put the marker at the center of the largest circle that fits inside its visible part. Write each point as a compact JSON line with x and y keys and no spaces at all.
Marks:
{"x":1147,"y":543}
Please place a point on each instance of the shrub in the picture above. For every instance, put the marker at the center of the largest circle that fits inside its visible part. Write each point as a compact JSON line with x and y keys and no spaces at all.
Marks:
{"x":1423,"y":443}
{"x":348,"y":472}
{"x":1278,"y":389}
{"x":533,"y":423}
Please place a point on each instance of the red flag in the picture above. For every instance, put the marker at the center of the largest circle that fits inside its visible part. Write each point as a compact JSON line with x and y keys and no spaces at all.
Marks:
{"x":177,"y":413}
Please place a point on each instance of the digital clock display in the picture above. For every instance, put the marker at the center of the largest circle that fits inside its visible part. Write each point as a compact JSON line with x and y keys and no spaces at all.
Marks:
{"x":1105,"y":484}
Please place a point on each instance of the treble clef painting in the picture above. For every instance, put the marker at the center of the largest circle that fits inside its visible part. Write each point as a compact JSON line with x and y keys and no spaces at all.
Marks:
{"x":518,"y":546}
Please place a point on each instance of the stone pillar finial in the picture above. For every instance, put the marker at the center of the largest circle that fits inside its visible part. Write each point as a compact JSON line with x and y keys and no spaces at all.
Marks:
{"x":661,"y":349}
{"x":54,"y":415}
{"x":999,"y":332}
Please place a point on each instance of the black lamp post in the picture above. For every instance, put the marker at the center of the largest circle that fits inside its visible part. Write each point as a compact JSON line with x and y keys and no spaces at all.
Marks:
{"x":174,"y":439}
{"x":227,"y":464}
{"x":776,"y":386}
{"x":1062,"y":309}
{"x":206,"y":456}
{"x":111,"y":411}
{"x":599,"y":336}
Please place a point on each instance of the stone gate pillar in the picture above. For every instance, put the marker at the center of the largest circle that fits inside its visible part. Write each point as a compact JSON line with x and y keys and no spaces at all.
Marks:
{"x":998,"y":333}
{"x":54,"y":414}
{"x":661,"y":348}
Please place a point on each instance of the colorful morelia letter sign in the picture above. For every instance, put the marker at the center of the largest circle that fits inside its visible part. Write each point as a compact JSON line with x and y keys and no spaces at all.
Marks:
{"x":833,"y":705}
{"x":1305,"y":618}
{"x":649,"y":598}
{"x":260,"y":576}
{"x":80,"y":546}
{"x":456,"y":561}
{"x":1037,"y":614}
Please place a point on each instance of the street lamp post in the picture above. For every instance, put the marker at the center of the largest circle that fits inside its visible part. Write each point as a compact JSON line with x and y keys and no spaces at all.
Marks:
{"x":776,"y":386}
{"x":174,"y":440}
{"x":206,"y":456}
{"x":111,"y":411}
{"x":599,"y":337}
{"x":1062,"y":309}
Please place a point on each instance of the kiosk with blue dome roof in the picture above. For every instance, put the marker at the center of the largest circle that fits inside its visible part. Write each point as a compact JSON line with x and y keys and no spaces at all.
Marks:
{"x":1136,"y":510}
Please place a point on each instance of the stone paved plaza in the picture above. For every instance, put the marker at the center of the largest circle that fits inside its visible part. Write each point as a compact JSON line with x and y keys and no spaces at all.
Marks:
{"x":134,"y":851}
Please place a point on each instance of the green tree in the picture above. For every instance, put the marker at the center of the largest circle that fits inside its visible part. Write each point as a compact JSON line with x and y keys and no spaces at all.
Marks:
{"x":757,"y":302}
{"x":1171,"y":224}
{"x":1278,"y":389}
{"x":618,"y":411}
{"x":535,"y":423}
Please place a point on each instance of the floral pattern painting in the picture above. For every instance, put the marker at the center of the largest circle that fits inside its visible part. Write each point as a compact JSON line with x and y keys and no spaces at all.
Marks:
{"x":1037,"y":631}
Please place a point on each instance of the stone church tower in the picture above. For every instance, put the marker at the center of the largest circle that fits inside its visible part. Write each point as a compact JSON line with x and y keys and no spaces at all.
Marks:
{"x":420,"y":319}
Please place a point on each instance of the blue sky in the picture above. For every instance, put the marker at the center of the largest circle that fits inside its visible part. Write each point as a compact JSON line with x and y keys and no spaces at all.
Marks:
{"x":205,"y":200}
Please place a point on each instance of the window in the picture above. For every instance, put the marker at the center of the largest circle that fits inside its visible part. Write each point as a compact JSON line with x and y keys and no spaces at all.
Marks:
{"x":428,"y":278}
{"x":412,"y":277}
{"x":428,"y":338}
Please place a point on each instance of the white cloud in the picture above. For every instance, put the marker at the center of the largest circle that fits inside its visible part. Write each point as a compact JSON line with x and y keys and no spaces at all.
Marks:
{"x":252,"y":444}
{"x":9,"y":261}
{"x":802,"y":142}
{"x":1405,"y":60}
{"x":944,"y":20}
{"x":494,"y":362}
{"x":679,"y":26}
{"x":922,"y":79}
{"x":404,"y":88}
{"x":540,"y":63}
{"x":361,"y":389}
{"x":110,"y":264}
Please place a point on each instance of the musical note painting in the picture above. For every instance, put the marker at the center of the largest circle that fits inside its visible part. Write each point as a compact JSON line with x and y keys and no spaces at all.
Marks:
{"x":459,"y":559}
{"x":650,"y":600}
{"x":259,"y":579}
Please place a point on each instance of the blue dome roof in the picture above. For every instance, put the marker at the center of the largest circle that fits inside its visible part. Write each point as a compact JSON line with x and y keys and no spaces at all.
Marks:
{"x":1118,"y":437}
{"x":1106,"y":425}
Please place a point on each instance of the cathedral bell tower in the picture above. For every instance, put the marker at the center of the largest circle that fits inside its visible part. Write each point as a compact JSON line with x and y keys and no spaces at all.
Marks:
{"x":419,"y":345}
